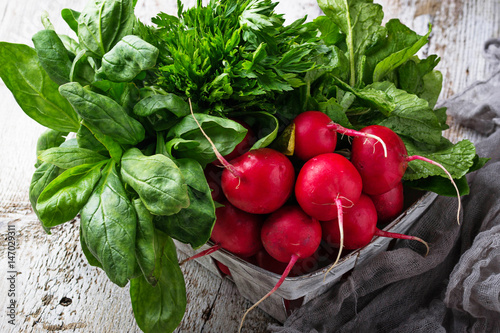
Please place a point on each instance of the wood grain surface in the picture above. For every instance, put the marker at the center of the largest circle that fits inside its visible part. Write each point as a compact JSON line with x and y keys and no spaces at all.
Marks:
{"x":56,"y":290}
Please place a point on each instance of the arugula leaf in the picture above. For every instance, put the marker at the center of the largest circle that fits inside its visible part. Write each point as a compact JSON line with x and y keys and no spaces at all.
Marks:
{"x":158,"y":181}
{"x":33,"y":89}
{"x":361,"y":22}
{"x":108,"y":223}
{"x":193,"y":224}
{"x":160,"y":308}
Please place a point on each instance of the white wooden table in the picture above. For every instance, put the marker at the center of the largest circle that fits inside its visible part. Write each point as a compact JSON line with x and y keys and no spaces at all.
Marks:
{"x":56,"y":290}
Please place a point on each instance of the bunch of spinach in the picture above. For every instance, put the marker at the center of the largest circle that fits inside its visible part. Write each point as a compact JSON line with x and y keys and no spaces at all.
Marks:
{"x":132,"y":166}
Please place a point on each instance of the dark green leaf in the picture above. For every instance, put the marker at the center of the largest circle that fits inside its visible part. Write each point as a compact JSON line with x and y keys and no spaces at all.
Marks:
{"x":128,"y":58}
{"x":157,"y":180}
{"x":67,"y":158}
{"x":144,"y":245}
{"x":90,"y":257}
{"x":87,"y":140}
{"x":52,"y":55}
{"x":154,"y":103}
{"x":160,"y":308}
{"x":33,"y":89}
{"x":65,"y":196}
{"x":49,"y":139}
{"x":42,"y":177}
{"x":193,"y":224}
{"x":103,"y":23}
{"x":114,"y":149}
{"x":103,"y":114}
{"x":108,"y":222}
{"x":225,"y":134}
{"x":81,"y":70}
{"x":440,"y":185}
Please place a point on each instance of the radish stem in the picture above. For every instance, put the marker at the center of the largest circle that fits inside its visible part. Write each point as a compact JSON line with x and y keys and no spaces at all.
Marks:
{"x":221,"y":158}
{"x":288,"y":268}
{"x":351,"y":132}
{"x":383,"y":233}
{"x":425,"y":159}
{"x":201,"y":254}
{"x":340,"y":219}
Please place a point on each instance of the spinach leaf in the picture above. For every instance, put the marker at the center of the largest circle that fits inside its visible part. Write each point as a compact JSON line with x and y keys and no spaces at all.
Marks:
{"x":52,"y":55}
{"x":68,"y":157}
{"x":102,"y":24}
{"x":49,"y":139}
{"x":144,"y":241}
{"x":265,"y":124}
{"x":160,"y":308}
{"x":225,"y":133}
{"x":104,"y":114}
{"x":158,"y":181}
{"x":81,"y":69}
{"x":154,"y":103}
{"x":33,"y":89}
{"x":114,"y":149}
{"x":43,"y":175}
{"x":128,"y":58}
{"x":108,"y":222}
{"x":193,"y":224}
{"x":87,"y":140}
{"x":65,"y":196}
{"x":90,"y":257}
{"x":71,"y":17}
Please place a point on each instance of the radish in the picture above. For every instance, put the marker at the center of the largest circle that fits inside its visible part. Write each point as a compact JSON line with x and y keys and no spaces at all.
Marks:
{"x":288,"y":235}
{"x":235,"y":231}
{"x":359,"y":227}
{"x":213,"y":175}
{"x":259,"y":181}
{"x":316,"y":133}
{"x":381,"y":174}
{"x":325,"y":183}
{"x":389,"y":204}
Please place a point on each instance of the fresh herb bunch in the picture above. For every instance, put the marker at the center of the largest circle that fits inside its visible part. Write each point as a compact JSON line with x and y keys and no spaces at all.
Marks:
{"x":133,"y":165}
{"x":232,"y":55}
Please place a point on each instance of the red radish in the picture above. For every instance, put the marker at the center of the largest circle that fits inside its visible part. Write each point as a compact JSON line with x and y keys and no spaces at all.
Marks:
{"x":265,"y":261}
{"x":324,"y":180}
{"x":360,"y":225}
{"x":259,"y":181}
{"x":235,"y":231}
{"x":316,"y":133}
{"x":389,"y":204}
{"x":243,"y":146}
{"x":380,"y":174}
{"x":288,"y":235}
{"x":213,"y":175}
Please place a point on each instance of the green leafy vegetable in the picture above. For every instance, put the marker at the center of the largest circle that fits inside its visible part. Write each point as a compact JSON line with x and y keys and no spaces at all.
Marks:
{"x":52,"y":55}
{"x":108,"y":224}
{"x":157,"y":180}
{"x":160,"y":308}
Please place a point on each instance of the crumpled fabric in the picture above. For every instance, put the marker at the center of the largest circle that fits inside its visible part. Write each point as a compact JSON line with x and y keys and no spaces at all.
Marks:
{"x":456,"y":288}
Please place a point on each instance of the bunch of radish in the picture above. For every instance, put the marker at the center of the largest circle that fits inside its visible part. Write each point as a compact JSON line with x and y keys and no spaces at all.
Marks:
{"x":272,"y":210}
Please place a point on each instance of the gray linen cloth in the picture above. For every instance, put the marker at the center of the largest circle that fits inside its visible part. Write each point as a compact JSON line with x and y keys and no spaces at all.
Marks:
{"x":456,"y":288}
